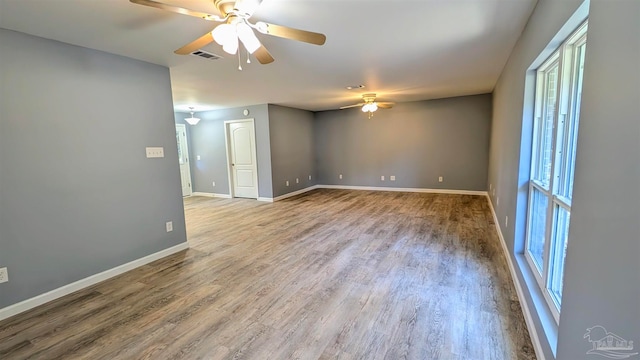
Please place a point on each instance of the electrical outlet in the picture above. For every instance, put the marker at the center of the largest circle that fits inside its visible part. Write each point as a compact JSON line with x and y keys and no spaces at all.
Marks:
{"x":392,"y":178}
{"x":297,"y":181}
{"x":287,"y":182}
{"x":4,"y":275}
{"x":340,"y":176}
{"x":440,"y":178}
{"x":309,"y":177}
{"x":494,"y":192}
{"x":213,"y":183}
{"x":155,"y":152}
{"x":198,"y":157}
{"x":169,"y":226}
{"x":382,"y":178}
{"x":506,"y":221}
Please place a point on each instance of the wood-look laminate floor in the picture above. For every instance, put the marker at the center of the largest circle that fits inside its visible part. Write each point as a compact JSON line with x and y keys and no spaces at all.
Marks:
{"x":331,"y":274}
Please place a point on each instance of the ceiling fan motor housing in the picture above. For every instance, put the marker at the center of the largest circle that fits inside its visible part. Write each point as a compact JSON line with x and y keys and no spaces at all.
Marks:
{"x":369,"y":98}
{"x":224,"y":6}
{"x":241,"y":8}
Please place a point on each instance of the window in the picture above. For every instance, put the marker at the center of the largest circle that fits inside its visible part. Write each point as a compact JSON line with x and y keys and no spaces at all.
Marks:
{"x":555,"y":132}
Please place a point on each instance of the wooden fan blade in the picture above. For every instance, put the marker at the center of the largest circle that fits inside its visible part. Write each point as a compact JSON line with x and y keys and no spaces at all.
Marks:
{"x":385,"y":105}
{"x":351,"y":106}
{"x":263,"y":55}
{"x":176,"y":9}
{"x":199,"y":43}
{"x":291,"y":33}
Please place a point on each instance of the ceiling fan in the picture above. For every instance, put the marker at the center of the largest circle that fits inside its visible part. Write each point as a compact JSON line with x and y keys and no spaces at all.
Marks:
{"x":370,"y":105}
{"x":236,"y":28}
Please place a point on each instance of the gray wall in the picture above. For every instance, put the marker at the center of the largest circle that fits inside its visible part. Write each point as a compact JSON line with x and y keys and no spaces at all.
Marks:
{"x":77,"y":195}
{"x":208,"y":141}
{"x":292,"y":151}
{"x":511,"y":131}
{"x":416,"y":142}
{"x":604,"y":240}
{"x":602,"y":276}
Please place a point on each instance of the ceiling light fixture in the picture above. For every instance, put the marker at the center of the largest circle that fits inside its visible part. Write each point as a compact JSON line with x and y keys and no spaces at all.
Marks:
{"x":229,"y":34}
{"x":192,"y":120}
{"x":370,"y":107}
{"x":248,"y":37}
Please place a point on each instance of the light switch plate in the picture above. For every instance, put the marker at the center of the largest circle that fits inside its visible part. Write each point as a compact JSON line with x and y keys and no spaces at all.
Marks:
{"x":4,"y":275}
{"x":155,"y":152}
{"x":169,"y":226}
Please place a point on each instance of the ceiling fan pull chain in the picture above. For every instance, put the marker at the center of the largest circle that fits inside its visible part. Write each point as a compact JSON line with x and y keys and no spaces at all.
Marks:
{"x":239,"y":61}
{"x":248,"y":57}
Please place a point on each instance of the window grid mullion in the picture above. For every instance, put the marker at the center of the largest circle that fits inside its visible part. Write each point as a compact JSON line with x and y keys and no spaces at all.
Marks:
{"x":552,"y":176}
{"x":538,"y":277}
{"x":562,"y":202}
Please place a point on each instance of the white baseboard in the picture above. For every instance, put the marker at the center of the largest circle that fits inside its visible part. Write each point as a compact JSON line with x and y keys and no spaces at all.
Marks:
{"x":417,"y":190}
{"x":213,"y":195}
{"x":294,"y":193}
{"x":349,"y":187}
{"x":86,"y":282}
{"x":226,"y":196}
{"x":535,"y":340}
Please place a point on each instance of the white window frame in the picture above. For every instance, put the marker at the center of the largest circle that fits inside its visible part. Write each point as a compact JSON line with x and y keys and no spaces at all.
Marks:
{"x":565,"y":57}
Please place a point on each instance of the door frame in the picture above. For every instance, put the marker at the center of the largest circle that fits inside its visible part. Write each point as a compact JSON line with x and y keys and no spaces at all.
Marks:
{"x":183,"y":127}
{"x":227,"y":143}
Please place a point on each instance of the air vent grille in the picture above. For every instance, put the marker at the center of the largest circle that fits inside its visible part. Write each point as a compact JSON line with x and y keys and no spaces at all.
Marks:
{"x":205,"y":55}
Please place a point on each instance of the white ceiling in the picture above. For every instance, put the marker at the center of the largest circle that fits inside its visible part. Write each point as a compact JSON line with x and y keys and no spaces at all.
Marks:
{"x":404,"y":50}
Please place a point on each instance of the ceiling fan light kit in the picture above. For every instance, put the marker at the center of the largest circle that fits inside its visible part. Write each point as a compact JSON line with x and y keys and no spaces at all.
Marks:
{"x":248,"y":38}
{"x":370,"y":105}
{"x":228,"y":35}
{"x":237,"y":28}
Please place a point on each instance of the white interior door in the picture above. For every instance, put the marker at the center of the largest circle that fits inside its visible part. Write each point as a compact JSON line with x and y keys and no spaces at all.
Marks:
{"x":242,"y":154}
{"x":183,"y":159}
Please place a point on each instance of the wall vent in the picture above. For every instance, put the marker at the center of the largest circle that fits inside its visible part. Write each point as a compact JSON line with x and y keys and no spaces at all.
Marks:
{"x":205,"y":55}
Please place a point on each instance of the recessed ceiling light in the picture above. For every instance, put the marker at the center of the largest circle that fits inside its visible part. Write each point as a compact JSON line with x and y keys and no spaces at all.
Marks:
{"x":351,"y":87}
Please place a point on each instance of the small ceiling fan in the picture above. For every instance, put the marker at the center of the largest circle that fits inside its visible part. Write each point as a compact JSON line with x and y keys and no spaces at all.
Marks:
{"x":370,"y":105}
{"x":236,"y":28}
